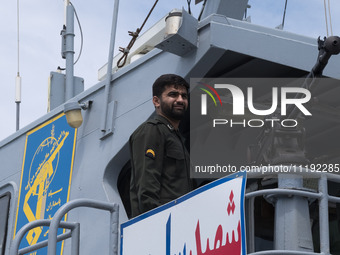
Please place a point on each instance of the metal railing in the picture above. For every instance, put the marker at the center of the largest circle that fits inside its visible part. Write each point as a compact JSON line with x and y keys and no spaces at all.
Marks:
{"x":74,"y":228}
{"x":73,"y":234}
{"x":321,"y":195}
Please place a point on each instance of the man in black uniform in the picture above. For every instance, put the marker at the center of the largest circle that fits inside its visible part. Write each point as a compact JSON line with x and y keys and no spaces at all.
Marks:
{"x":160,"y":162}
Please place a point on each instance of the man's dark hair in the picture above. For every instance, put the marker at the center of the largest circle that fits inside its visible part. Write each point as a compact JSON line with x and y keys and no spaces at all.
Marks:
{"x":165,"y":80}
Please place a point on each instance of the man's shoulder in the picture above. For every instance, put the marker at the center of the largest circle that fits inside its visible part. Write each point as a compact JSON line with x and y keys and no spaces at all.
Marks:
{"x":153,"y":121}
{"x":146,"y":126}
{"x":148,"y":123}
{"x":154,"y":125}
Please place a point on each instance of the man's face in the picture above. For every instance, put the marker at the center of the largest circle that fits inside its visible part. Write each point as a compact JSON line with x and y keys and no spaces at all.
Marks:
{"x":173,"y":102}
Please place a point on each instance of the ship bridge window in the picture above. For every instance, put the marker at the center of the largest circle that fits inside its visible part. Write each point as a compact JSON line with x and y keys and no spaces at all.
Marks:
{"x":4,"y":212}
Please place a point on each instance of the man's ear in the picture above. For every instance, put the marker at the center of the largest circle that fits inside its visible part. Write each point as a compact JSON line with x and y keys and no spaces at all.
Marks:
{"x":156,"y":101}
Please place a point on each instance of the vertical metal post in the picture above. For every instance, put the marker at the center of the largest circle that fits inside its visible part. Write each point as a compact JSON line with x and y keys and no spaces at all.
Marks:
{"x":284,"y":15}
{"x":66,"y":3}
{"x":109,"y":65}
{"x":292,"y":221}
{"x":75,"y":239}
{"x":17,"y":116}
{"x":114,"y":235}
{"x":39,"y":223}
{"x":18,"y":78}
{"x":113,"y":208}
{"x":69,"y":51}
{"x":18,"y":99}
{"x":250,"y":211}
{"x":323,"y":215}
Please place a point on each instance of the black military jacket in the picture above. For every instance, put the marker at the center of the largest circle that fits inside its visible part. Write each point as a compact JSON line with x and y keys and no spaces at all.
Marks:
{"x":160,"y":165}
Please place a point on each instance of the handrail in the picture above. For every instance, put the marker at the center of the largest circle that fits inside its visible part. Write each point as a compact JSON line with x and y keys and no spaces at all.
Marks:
{"x":287,"y":192}
{"x":323,"y":215}
{"x":307,"y":173}
{"x":323,"y":197}
{"x":283,"y":252}
{"x":74,"y":234}
{"x":111,"y":207}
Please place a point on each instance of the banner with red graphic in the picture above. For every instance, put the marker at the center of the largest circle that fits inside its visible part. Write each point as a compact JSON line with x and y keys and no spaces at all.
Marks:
{"x":207,"y":221}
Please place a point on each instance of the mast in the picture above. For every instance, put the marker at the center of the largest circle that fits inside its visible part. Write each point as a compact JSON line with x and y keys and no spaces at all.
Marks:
{"x":18,"y":79}
{"x":69,"y":49}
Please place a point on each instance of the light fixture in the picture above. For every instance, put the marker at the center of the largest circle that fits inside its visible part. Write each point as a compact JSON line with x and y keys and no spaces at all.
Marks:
{"x":172,"y":23}
{"x":72,"y":111}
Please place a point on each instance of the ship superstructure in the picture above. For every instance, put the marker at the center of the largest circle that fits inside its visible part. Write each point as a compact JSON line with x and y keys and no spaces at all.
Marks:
{"x":85,"y":166}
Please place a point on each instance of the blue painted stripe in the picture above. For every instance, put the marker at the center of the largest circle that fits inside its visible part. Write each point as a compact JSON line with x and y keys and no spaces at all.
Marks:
{"x":168,"y":235}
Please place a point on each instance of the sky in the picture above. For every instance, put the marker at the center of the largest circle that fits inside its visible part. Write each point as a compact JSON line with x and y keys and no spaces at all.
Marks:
{"x":40,"y":23}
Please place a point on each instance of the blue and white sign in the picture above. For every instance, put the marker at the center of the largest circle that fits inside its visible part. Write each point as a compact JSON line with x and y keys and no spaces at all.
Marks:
{"x":207,"y":221}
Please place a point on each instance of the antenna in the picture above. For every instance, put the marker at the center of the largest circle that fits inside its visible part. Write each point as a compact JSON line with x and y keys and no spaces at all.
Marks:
{"x":283,"y":18}
{"x":18,"y":78}
{"x":66,"y":3}
{"x":326,"y":17}
{"x":68,"y":50}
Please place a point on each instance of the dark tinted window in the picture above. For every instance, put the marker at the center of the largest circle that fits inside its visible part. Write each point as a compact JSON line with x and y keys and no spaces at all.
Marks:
{"x":4,"y":211}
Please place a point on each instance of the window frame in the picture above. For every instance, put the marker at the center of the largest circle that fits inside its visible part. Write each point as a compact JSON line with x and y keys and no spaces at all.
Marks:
{"x":9,"y":189}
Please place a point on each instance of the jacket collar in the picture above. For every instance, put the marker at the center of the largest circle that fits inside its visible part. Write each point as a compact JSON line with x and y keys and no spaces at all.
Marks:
{"x":165,"y":121}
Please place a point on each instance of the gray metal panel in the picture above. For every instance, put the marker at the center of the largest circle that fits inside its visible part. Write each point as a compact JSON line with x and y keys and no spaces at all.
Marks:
{"x":11,"y":161}
{"x":276,"y":49}
{"x":57,"y":89}
{"x":231,"y":8}
{"x":269,"y":44}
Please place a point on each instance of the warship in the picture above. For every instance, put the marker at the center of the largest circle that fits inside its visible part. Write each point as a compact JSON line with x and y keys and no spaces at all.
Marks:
{"x":64,"y":179}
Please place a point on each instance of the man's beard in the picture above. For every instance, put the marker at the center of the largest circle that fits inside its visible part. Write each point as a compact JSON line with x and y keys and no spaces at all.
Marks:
{"x":171,"y":112}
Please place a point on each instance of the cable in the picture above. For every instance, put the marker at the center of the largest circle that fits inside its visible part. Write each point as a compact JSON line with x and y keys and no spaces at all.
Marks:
{"x":189,"y":7}
{"x":284,"y":15}
{"x":81,"y":38}
{"x":134,"y":35}
{"x":245,"y":14}
{"x":81,"y":34}
{"x":203,"y":6}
